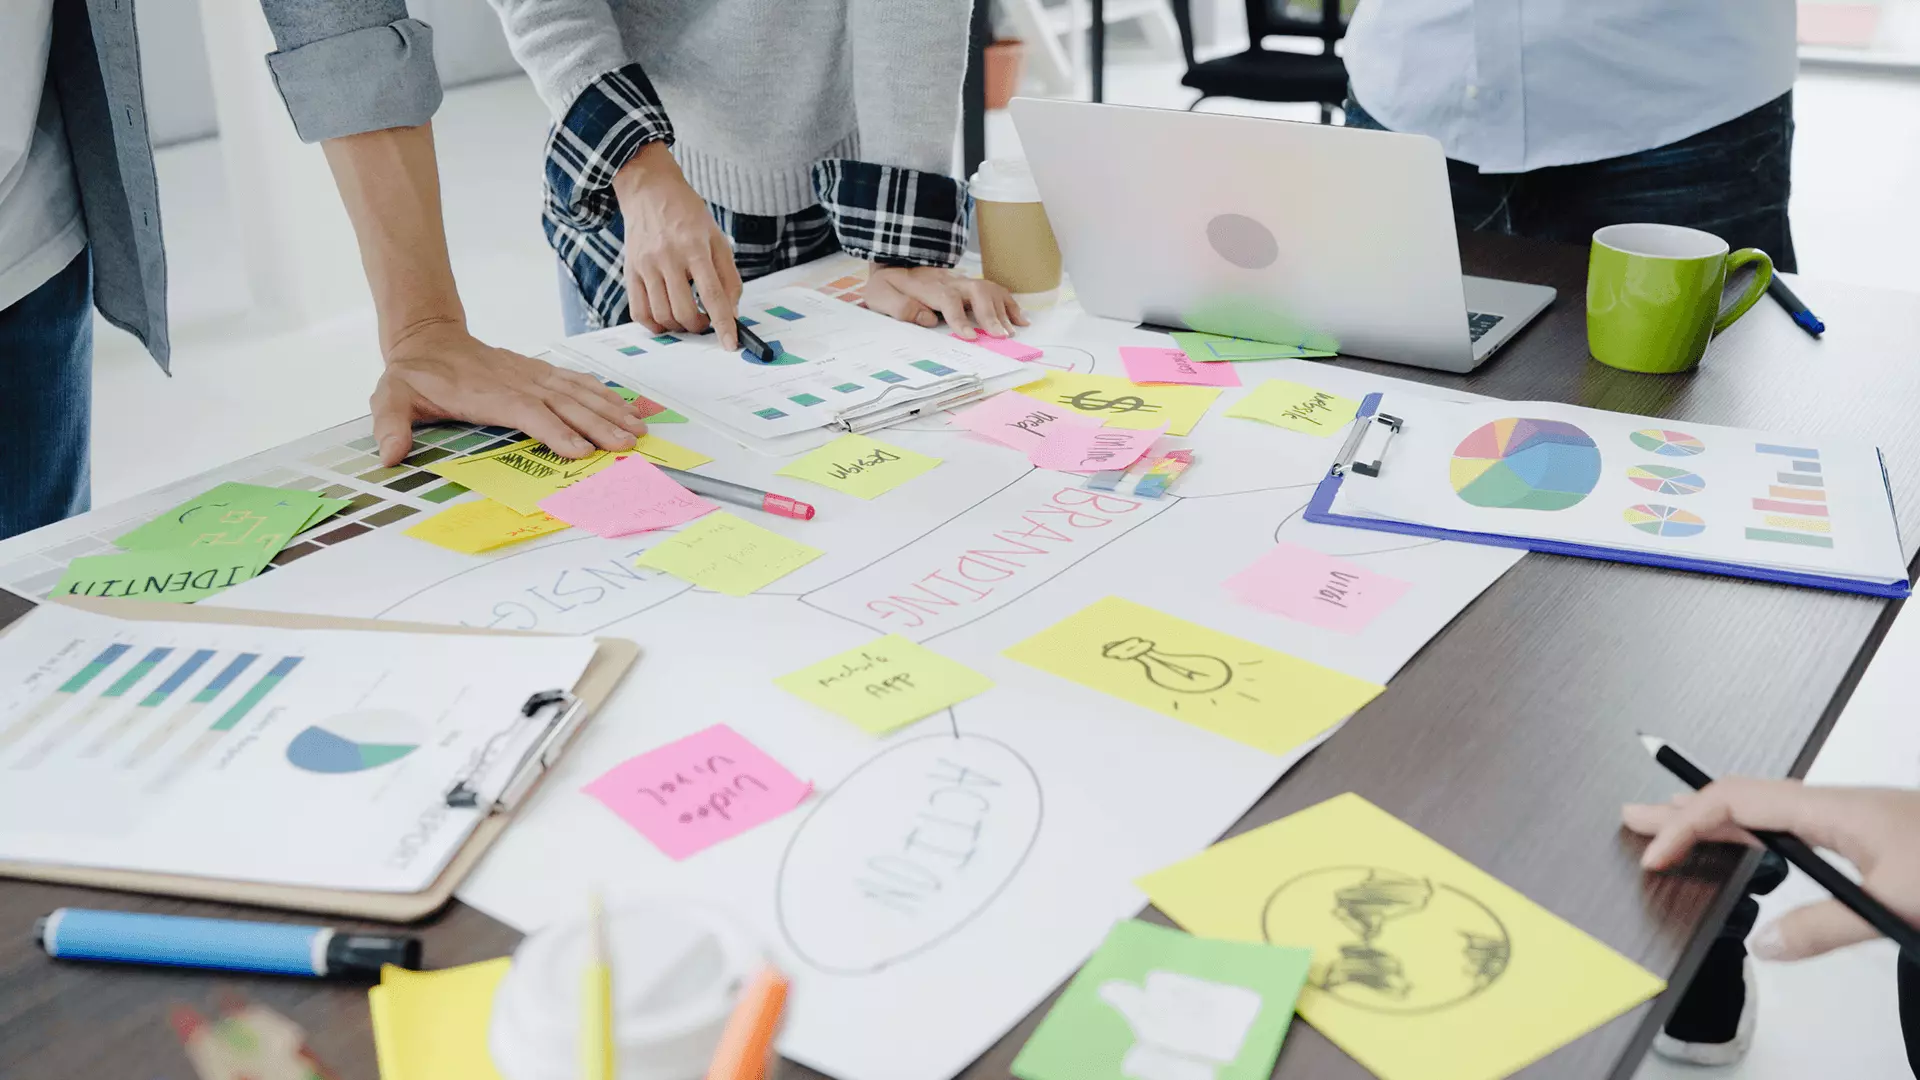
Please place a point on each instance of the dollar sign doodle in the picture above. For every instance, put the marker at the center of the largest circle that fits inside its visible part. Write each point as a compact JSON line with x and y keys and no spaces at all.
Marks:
{"x":1091,"y":401}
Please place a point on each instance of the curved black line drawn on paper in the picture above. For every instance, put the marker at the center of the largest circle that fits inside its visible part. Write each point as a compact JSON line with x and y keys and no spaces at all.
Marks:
{"x":1394,"y":546}
{"x":1382,"y":923}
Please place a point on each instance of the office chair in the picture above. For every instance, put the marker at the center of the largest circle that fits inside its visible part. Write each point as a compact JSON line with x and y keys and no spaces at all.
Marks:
{"x":1261,"y":74}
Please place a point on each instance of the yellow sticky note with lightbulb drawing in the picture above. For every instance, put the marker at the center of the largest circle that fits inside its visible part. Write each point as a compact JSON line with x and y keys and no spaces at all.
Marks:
{"x":1227,"y":685}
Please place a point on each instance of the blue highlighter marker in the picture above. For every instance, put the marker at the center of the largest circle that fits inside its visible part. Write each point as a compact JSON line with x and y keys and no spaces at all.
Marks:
{"x":224,"y":944}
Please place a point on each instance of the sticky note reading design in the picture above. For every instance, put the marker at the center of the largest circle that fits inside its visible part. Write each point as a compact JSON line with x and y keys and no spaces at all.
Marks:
{"x":1019,"y":421}
{"x":1122,"y":404}
{"x":482,"y":525}
{"x":860,"y":466}
{"x":1152,"y":995}
{"x":177,"y":576}
{"x":670,"y":454}
{"x":1213,"y":347}
{"x":1297,"y":408}
{"x":628,"y":496}
{"x":1156,"y":365}
{"x":520,"y":475}
{"x":887,"y":684}
{"x":691,"y":794}
{"x":1424,"y":966}
{"x":1320,"y":590}
{"x":1093,"y":449}
{"x":724,"y":553}
{"x":1007,"y":347}
{"x":231,"y":516}
{"x":1246,"y":692}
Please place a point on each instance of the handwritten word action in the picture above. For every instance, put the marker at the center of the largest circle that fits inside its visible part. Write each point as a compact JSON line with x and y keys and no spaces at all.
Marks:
{"x":860,"y":466}
{"x":1296,"y":407}
{"x":886,"y":684}
{"x":1320,"y":590}
{"x":691,"y":794}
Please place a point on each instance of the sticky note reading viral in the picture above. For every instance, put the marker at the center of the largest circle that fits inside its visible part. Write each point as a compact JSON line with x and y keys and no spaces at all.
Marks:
{"x":1304,"y":585}
{"x":691,"y":794}
{"x":886,"y":684}
{"x":860,"y":466}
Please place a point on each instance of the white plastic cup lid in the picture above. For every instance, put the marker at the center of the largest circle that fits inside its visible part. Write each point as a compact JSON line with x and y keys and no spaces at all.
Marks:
{"x":1004,"y":180}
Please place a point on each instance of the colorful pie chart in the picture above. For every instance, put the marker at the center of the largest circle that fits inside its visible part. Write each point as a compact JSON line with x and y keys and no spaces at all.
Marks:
{"x":1666,"y":479}
{"x":1525,"y":464}
{"x":355,"y":742}
{"x":1667,"y":443}
{"x":1664,"y":520}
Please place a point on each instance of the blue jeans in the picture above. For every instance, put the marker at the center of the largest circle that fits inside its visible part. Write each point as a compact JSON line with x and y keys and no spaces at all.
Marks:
{"x":46,"y":396}
{"x":1731,"y":180}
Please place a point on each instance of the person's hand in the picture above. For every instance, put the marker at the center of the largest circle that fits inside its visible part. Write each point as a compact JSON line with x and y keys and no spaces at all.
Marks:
{"x":927,"y":294}
{"x":1873,"y":828}
{"x":438,"y":371}
{"x":671,"y":240}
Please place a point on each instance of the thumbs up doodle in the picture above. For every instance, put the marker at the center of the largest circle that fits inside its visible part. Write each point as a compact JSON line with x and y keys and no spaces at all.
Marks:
{"x":1183,"y":1028}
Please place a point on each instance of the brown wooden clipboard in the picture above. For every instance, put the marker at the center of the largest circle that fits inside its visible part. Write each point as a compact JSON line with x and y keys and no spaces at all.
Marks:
{"x":596,"y":684}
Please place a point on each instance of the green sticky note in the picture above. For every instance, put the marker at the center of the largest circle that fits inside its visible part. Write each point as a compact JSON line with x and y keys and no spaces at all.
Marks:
{"x":232,"y":516}
{"x":1208,"y":347}
{"x":1159,"y":1002}
{"x":174,"y":576}
{"x":326,"y":509}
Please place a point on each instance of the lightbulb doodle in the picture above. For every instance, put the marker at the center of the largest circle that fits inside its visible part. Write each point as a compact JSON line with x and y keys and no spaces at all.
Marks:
{"x":1182,"y":673}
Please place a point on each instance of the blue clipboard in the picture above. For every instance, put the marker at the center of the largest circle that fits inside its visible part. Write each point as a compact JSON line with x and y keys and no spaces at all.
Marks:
{"x":1320,"y":511}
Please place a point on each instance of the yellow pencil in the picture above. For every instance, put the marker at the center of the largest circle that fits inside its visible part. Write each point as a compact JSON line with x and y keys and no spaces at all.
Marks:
{"x":596,"y":1000}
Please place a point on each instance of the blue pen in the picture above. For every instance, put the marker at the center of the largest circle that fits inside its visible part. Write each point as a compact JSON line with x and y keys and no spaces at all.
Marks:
{"x":1796,"y":310}
{"x":227,"y":944}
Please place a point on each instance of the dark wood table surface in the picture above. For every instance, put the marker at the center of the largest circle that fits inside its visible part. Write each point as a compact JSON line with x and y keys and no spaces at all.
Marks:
{"x":1509,"y":738}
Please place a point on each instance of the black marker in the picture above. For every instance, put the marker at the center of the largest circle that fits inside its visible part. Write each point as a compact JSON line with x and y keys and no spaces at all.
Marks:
{"x":1796,"y":310}
{"x":755,"y":347}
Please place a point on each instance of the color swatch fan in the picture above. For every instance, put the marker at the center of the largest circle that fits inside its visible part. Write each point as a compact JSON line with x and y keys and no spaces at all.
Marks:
{"x":1521,"y":464}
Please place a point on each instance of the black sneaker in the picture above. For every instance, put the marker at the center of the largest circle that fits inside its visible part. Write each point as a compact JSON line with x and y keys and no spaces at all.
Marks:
{"x":1713,"y":1024}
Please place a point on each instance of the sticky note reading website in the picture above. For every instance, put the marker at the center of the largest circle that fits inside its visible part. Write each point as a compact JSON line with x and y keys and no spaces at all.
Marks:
{"x":693,"y":793}
{"x":1297,"y":408}
{"x":886,"y":684}
{"x":860,"y":466}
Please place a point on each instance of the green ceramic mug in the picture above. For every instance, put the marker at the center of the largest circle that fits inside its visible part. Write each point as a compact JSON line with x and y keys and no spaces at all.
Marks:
{"x":1655,"y":295}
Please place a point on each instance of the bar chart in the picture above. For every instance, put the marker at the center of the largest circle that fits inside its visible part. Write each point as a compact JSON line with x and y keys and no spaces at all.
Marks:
{"x":61,"y":697}
{"x":1794,"y":509}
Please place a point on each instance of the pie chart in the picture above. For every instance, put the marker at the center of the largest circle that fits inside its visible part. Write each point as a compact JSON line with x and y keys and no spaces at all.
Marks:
{"x":1666,"y":479}
{"x":354,"y":742}
{"x":1525,"y":464}
{"x":1667,"y":443}
{"x":1664,"y":520}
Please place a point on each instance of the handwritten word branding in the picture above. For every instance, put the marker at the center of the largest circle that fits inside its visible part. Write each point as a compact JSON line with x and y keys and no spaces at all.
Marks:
{"x":688,"y":795}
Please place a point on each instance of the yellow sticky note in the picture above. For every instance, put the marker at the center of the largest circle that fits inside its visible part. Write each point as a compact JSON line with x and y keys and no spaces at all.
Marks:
{"x":522,"y":474}
{"x":723,"y":553}
{"x":1247,"y":692}
{"x":1296,"y":407}
{"x":1424,"y":966}
{"x":860,"y":466}
{"x":482,"y":525}
{"x":670,"y":454}
{"x":432,"y":1025}
{"x":886,"y":684}
{"x":1124,"y":404}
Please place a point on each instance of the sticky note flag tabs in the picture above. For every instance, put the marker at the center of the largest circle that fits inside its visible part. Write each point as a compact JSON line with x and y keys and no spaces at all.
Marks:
{"x":520,"y":475}
{"x":1424,"y":966}
{"x":1319,"y":590}
{"x":1156,"y":365}
{"x":1019,"y":421}
{"x":1093,"y":449}
{"x":1246,"y":692}
{"x":175,"y":576}
{"x":860,"y":466}
{"x":482,"y":525}
{"x":691,"y":794}
{"x":670,"y":454}
{"x":230,"y":516}
{"x":432,"y":1025}
{"x":1122,"y":404}
{"x":1212,"y":347}
{"x":886,"y":684}
{"x":1297,"y":408}
{"x":1218,"y":1008}
{"x":723,"y":553}
{"x":1007,"y":347}
{"x":628,"y":496}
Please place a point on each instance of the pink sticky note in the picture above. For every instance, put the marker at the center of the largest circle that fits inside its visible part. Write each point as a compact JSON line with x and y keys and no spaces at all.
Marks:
{"x":1007,"y":347}
{"x":689,"y":795}
{"x":1092,"y":449}
{"x":1019,"y":421}
{"x":1320,"y":590}
{"x":1147,"y":364}
{"x":631,"y":495}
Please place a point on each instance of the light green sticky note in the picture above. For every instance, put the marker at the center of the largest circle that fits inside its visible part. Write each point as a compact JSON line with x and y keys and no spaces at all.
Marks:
{"x":231,"y":515}
{"x":1159,"y":1002}
{"x":886,"y":684}
{"x":1297,"y":407}
{"x":326,"y":509}
{"x":174,"y":576}
{"x":726,"y":554}
{"x":860,"y":466}
{"x":1210,"y":347}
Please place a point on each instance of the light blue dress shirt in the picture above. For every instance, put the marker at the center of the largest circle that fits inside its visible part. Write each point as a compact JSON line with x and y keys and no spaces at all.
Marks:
{"x":1516,"y":85}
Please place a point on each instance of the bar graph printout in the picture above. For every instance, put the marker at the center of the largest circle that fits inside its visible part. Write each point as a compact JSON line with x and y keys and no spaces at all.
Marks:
{"x":301,"y":757}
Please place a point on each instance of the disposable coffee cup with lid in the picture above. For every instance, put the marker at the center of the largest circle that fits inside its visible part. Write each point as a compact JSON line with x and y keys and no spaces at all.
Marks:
{"x":1017,"y":247}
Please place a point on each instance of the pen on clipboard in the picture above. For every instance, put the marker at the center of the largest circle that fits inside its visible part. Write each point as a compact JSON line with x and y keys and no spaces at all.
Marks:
{"x":741,"y":494}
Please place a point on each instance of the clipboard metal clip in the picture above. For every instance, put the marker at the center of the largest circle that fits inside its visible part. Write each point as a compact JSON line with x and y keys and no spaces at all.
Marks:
{"x":1350,"y":459}
{"x":563,"y":714}
{"x":880,"y":412}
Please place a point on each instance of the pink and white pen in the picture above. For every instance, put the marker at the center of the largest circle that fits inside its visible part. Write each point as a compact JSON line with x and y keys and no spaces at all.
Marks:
{"x":740,"y":494}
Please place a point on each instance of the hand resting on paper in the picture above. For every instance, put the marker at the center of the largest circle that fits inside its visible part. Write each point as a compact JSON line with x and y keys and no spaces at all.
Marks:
{"x":926,"y":294}
{"x":1873,"y":828}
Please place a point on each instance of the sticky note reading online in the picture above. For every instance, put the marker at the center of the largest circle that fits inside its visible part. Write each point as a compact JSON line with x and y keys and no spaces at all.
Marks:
{"x":1304,"y":585}
{"x":886,"y":684}
{"x":1122,"y":404}
{"x":1425,"y":967}
{"x":482,"y":525}
{"x":630,"y":495}
{"x":860,"y":466}
{"x":693,"y":793}
{"x":1229,"y":686}
{"x":1297,"y":408}
{"x":520,"y":475}
{"x":726,"y":554}
{"x":177,"y":576}
{"x":1093,"y":449}
{"x":1158,"y":365}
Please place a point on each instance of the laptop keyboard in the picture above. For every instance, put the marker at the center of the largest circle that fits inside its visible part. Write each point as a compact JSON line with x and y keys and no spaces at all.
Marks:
{"x":1479,"y":322}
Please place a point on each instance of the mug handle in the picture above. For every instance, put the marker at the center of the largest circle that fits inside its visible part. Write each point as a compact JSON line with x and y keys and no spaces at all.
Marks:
{"x":1762,"y":277}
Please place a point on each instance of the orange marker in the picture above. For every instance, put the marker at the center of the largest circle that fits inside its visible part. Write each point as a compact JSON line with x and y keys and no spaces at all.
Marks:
{"x":747,"y":1043}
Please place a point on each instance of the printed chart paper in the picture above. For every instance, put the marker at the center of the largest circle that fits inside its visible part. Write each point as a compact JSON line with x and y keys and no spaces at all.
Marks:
{"x":1424,"y":966}
{"x":860,"y":466}
{"x":887,"y":684}
{"x":695,"y":792}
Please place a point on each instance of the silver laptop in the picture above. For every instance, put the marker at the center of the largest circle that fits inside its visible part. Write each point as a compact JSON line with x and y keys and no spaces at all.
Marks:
{"x":1327,"y":237}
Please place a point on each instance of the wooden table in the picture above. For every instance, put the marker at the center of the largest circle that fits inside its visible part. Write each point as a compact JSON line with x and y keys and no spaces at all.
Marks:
{"x":1509,"y":738}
